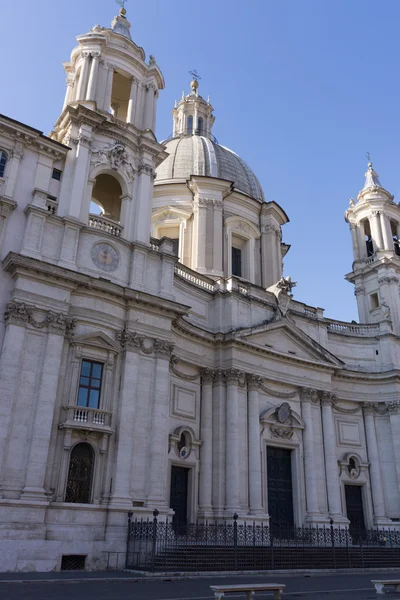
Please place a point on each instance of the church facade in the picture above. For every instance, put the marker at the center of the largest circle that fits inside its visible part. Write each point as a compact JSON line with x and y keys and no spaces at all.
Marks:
{"x":152,"y":353}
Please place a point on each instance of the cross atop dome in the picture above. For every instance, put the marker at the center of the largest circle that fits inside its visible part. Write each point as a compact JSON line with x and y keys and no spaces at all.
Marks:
{"x":120,"y":23}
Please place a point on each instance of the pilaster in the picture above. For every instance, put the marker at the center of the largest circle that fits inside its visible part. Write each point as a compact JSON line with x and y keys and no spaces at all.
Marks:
{"x":206,"y":434}
{"x":254,"y":448}
{"x":313,"y":512}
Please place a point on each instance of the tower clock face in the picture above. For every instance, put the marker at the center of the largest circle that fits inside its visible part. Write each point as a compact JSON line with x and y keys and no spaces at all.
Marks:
{"x":105,"y":257}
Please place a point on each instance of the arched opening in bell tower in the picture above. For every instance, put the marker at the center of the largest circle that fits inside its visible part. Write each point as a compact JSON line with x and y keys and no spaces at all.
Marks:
{"x":120,"y":94}
{"x":106,"y":197}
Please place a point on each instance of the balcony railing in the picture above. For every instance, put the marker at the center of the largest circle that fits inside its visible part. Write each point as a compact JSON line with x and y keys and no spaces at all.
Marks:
{"x":52,"y":205}
{"x":350,"y":329}
{"x":105,"y":225}
{"x":81,"y":417}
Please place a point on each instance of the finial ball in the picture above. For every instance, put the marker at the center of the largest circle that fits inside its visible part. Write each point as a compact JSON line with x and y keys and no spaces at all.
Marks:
{"x":194,"y":84}
{"x":122,"y":12}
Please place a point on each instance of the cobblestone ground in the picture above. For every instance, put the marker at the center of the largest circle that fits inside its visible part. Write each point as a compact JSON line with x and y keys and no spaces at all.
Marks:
{"x":345,"y":586}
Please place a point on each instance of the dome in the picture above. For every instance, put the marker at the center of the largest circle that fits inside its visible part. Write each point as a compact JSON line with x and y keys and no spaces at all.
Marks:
{"x":200,"y":155}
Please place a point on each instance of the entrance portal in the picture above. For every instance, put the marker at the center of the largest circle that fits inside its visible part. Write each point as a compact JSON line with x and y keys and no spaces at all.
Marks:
{"x":179,"y":497}
{"x":355,"y":510}
{"x":280,"y":494}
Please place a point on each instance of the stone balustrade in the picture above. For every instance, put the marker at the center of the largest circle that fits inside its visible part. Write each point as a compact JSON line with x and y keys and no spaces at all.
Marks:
{"x":52,"y":206}
{"x":105,"y":225}
{"x":91,"y":419}
{"x":353,"y":329}
{"x":194,"y":278}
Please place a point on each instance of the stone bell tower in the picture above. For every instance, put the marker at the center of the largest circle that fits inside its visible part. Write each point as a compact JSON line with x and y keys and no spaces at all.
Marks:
{"x":108,"y":120}
{"x":374,"y":220}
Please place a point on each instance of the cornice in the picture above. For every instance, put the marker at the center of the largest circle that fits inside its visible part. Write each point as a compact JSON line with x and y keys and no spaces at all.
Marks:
{"x":16,"y":263}
{"x":32,"y":138}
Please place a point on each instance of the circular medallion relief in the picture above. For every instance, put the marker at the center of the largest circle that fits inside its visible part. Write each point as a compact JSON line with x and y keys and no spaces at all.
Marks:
{"x":105,"y":256}
{"x":283,"y":412}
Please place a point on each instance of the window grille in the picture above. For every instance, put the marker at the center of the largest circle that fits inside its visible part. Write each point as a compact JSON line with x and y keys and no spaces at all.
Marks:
{"x":3,"y":161}
{"x":73,"y":562}
{"x":80,"y":474}
{"x":90,"y":384}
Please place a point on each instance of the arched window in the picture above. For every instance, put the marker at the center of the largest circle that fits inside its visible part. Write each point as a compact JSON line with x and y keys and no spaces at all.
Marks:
{"x":106,"y":198}
{"x":200,"y":126}
{"x":190,"y":125}
{"x":3,"y":161}
{"x":80,"y":474}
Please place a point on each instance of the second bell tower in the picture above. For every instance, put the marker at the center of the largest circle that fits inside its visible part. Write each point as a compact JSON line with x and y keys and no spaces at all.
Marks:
{"x":374,"y":221}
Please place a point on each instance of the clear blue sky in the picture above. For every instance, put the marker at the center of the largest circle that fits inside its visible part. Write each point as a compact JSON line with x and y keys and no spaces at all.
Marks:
{"x":301,"y":90}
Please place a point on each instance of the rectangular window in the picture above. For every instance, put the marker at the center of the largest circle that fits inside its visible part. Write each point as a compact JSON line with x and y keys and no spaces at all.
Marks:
{"x":57,"y":174}
{"x":374,"y":300}
{"x":236,"y":261}
{"x":90,"y":384}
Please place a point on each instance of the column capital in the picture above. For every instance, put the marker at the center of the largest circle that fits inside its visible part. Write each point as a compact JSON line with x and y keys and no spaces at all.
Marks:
{"x":233,"y":376}
{"x":207,"y":376}
{"x":163,"y":348}
{"x":393,"y":407}
{"x":368,"y":408}
{"x":327,"y":398}
{"x":219,"y":376}
{"x":309,"y":395}
{"x":254,"y":382}
{"x":129,"y":340}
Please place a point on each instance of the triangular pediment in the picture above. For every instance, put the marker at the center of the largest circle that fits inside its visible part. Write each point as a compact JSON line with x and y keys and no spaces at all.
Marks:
{"x":284,"y":337}
{"x":97,"y":339}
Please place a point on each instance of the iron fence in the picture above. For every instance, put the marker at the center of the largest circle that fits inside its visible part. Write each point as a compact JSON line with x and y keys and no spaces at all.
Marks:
{"x":154,"y":545}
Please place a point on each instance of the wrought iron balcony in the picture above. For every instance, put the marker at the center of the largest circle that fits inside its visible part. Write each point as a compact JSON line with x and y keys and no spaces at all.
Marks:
{"x":89,"y":419}
{"x":105,"y":225}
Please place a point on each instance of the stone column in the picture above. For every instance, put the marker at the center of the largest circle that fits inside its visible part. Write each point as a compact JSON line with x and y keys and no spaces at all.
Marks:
{"x":206,"y":434}
{"x":200,"y":233}
{"x":331,"y":461}
{"x":232,"y":458}
{"x":218,"y":231}
{"x":394,"y":412}
{"x":219,"y":427}
{"x":16,"y":318}
{"x":157,"y":495}
{"x":255,"y":485}
{"x":83,"y":78}
{"x":353,"y":231}
{"x":69,"y":92}
{"x":374,"y":465}
{"x":363,"y":310}
{"x":132,"y":101}
{"x":79,"y":185}
{"x":386,"y":232}
{"x":108,"y":88}
{"x":121,"y":494}
{"x":91,"y":91}
{"x":362,"y":245}
{"x":376,"y":231}
{"x":270,"y":257}
{"x":309,"y":455}
{"x":45,"y":402}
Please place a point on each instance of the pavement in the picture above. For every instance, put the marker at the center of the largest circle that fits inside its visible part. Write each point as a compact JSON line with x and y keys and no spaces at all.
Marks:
{"x":123,"y":586}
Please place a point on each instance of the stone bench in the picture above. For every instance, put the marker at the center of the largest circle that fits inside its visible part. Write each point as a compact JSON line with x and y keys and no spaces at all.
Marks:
{"x":249,"y":590}
{"x":380,"y":585}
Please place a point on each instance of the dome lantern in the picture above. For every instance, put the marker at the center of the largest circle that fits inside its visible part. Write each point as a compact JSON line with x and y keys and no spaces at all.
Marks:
{"x":193,"y":115}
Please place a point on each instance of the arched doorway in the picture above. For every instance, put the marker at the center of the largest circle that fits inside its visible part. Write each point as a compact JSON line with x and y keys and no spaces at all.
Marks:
{"x":80,"y":474}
